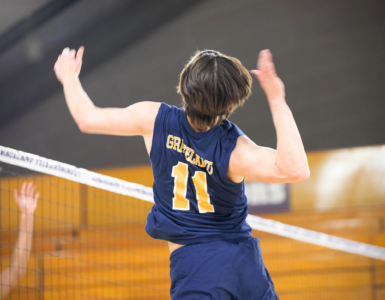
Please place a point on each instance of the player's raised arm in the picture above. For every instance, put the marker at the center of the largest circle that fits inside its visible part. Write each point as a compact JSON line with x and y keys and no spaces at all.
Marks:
{"x":289,"y":162}
{"x":137,"y":119}
{"x":27,"y":200}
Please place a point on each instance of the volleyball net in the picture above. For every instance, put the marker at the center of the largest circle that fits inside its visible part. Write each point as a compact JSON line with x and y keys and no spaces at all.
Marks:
{"x":89,"y":242}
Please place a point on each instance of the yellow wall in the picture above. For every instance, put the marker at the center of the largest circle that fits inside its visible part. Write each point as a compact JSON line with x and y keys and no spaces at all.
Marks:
{"x":342,"y":178}
{"x":116,"y":208}
{"x":141,"y":174}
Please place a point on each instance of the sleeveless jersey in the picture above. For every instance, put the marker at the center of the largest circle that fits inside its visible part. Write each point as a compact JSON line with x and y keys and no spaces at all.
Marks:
{"x":194,"y":200}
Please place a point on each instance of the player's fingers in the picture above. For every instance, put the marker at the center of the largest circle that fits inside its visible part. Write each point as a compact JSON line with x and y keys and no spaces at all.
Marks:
{"x":260,"y":76}
{"x":269,"y":58}
{"x":272,"y":69}
{"x":79,"y":55}
{"x":35,"y":201}
{"x":260,"y":58}
{"x":65,"y":51}
{"x":72,"y":53}
{"x":58,"y":61}
{"x":29,"y":189}
{"x":23,"y":188}
{"x":268,"y":55}
{"x":256,"y":73}
{"x":32,"y":191}
{"x":265,"y":60}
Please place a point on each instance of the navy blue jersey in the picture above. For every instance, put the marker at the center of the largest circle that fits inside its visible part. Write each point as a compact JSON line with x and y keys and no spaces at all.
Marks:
{"x":194,"y":200}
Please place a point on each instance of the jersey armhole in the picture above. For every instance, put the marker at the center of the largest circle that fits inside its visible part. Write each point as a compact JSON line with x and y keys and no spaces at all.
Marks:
{"x":157,"y":125}
{"x":229,"y":151}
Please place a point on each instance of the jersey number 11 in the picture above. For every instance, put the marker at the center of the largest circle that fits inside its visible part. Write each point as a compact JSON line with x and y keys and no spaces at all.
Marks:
{"x":179,"y":202}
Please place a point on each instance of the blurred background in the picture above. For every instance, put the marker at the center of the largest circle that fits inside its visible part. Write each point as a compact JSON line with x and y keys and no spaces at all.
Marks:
{"x":331,"y":58}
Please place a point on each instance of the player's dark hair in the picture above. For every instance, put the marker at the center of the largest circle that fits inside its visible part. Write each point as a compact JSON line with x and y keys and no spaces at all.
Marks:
{"x":212,"y":86}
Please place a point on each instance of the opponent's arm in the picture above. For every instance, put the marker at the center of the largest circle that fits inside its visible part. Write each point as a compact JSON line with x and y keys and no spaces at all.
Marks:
{"x":27,"y":202}
{"x":137,"y":119}
{"x":289,"y":162}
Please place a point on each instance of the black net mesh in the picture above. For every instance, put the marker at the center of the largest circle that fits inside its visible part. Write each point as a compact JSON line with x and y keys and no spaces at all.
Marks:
{"x":87,"y":243}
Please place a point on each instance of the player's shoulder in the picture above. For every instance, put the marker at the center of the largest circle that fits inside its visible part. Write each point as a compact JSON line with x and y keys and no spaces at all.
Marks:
{"x":232,"y":130}
{"x":240,"y":141}
{"x":165,"y":109}
{"x":144,"y":111}
{"x":168,"y":117}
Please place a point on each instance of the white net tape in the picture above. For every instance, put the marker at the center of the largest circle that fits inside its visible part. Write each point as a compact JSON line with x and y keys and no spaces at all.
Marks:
{"x":52,"y":167}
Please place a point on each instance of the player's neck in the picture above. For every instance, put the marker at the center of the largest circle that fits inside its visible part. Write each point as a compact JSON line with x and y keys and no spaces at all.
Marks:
{"x":196,"y":128}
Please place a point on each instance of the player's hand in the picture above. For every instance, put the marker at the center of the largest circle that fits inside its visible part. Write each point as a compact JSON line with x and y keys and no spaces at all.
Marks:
{"x":26,"y":199}
{"x":68,"y":64}
{"x":270,"y":82}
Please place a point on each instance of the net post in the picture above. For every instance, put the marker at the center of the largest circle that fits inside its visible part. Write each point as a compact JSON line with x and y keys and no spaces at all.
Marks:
{"x":83,"y":205}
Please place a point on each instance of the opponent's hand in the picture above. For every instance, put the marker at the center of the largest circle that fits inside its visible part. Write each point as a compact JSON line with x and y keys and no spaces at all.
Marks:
{"x":26,"y":200}
{"x":67,"y":65}
{"x":270,"y":82}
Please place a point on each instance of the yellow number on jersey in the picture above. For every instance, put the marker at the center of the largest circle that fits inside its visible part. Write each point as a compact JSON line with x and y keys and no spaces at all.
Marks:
{"x":200,"y":183}
{"x":180,"y":173}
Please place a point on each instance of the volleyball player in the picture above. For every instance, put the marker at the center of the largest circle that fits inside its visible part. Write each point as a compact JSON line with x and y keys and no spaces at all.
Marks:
{"x":199,"y":161}
{"x":27,"y":201}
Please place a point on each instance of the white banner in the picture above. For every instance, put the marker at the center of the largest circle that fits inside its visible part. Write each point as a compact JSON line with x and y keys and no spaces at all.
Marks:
{"x":314,"y":237}
{"x":52,"y":167}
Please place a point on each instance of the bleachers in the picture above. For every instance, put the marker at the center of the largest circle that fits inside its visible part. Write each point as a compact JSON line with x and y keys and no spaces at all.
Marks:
{"x":122,"y":262}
